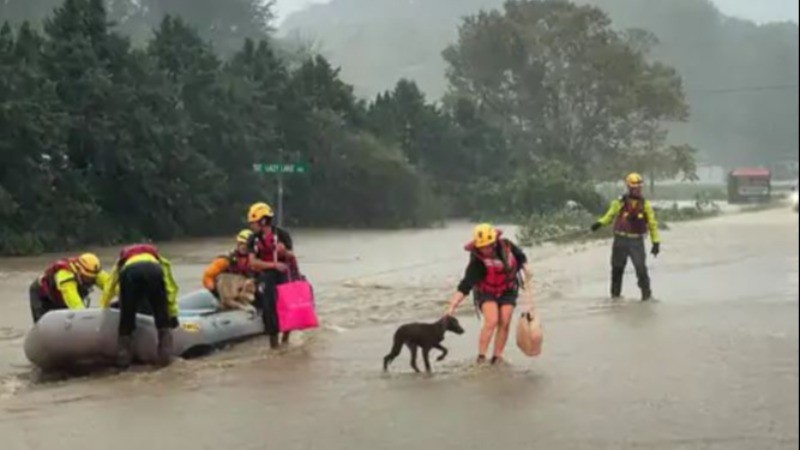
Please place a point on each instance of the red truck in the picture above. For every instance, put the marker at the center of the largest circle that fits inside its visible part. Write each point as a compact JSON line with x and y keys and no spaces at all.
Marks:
{"x":749,"y":184}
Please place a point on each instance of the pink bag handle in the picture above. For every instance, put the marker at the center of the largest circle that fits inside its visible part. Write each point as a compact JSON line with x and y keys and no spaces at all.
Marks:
{"x":275,"y":253}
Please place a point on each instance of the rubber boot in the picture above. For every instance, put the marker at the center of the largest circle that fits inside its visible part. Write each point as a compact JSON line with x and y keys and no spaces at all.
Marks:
{"x":616,"y":281}
{"x":647,"y":294}
{"x":644,"y":285}
{"x":164,"y":347}
{"x":124,"y":356}
{"x":273,"y":341}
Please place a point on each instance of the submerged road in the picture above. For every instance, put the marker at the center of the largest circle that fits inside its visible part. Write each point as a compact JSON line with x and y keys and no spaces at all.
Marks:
{"x":711,"y":364}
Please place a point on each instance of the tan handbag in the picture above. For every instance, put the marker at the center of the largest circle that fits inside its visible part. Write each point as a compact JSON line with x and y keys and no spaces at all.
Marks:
{"x":529,"y":334}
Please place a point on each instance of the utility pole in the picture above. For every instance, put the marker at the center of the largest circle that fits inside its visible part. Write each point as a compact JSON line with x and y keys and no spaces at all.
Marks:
{"x":280,"y":189}
{"x":280,"y":168}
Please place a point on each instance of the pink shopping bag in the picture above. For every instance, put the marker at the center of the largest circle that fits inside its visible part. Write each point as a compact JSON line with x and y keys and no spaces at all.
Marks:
{"x":296,"y":309}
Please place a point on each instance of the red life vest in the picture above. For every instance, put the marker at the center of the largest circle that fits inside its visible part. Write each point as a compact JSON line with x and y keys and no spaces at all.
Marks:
{"x":238,"y":263}
{"x":500,"y":277}
{"x":48,"y":286}
{"x":265,"y":246}
{"x":265,"y":249}
{"x":136,"y":249}
{"x":632,"y":219}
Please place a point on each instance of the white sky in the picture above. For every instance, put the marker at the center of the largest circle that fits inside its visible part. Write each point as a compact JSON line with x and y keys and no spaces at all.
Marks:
{"x":759,"y":11}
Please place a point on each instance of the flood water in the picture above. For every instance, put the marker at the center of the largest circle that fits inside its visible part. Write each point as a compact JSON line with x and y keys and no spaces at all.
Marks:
{"x":711,"y":364}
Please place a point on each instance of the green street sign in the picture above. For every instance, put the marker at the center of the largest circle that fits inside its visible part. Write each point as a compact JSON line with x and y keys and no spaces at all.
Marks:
{"x":282,"y":168}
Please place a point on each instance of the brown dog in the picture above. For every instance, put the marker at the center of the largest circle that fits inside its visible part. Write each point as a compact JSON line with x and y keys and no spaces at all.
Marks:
{"x":236,"y":292}
{"x":424,"y":336}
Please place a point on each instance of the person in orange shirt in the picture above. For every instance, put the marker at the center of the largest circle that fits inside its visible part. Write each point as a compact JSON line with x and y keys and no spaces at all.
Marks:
{"x":234,"y":262}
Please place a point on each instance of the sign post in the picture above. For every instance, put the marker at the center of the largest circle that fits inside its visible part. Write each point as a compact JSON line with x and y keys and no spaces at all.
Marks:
{"x":280,"y":193}
{"x":280,"y":169}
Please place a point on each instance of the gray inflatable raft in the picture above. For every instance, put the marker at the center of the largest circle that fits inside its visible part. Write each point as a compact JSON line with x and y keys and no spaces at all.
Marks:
{"x":64,"y":338}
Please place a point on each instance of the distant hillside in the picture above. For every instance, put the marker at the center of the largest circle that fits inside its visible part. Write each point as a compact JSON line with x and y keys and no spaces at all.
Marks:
{"x":377,"y":42}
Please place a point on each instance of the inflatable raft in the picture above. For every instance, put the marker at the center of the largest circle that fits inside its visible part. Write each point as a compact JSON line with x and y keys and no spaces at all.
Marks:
{"x":64,"y":338}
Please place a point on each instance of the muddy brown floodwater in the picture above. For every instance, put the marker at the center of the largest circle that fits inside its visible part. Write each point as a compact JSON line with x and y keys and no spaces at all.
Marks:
{"x":711,"y":364}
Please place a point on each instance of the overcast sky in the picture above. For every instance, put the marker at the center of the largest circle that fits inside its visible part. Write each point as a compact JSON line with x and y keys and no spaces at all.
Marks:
{"x":757,"y":10}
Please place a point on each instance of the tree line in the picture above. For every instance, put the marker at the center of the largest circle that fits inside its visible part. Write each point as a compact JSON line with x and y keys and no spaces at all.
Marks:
{"x":104,"y":141}
{"x":740,"y":77}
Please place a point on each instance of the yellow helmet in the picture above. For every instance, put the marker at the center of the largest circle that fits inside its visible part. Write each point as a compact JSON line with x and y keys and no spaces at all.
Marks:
{"x":634,"y":180}
{"x":243,"y":236}
{"x":484,"y":235}
{"x":88,"y":265}
{"x":258,"y":211}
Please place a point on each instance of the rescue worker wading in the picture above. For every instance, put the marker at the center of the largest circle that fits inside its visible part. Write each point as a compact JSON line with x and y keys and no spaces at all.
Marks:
{"x":143,"y":278}
{"x":493,"y":271}
{"x":236,"y":262}
{"x":271,"y":258}
{"x":66,"y":284}
{"x":632,"y":216}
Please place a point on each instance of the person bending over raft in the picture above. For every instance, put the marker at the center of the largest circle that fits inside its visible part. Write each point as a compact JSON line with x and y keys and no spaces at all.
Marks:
{"x":143,"y":279}
{"x":66,"y":284}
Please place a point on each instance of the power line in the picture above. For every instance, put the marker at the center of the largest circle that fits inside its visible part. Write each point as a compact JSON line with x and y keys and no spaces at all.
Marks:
{"x":774,"y":87}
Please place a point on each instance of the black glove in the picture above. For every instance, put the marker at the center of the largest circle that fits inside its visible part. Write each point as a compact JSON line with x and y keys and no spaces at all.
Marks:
{"x":656,"y":249}
{"x":596,"y":226}
{"x":173,"y":322}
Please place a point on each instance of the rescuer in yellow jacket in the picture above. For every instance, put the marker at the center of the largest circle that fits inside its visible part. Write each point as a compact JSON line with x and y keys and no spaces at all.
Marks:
{"x":66,"y":284}
{"x":633,"y":217}
{"x":143,"y":279}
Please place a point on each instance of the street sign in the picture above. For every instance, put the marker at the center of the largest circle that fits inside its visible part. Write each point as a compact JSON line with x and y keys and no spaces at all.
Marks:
{"x":282,"y":168}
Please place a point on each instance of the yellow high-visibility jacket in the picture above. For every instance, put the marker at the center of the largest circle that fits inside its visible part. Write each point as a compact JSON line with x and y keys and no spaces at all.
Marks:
{"x":616,"y":208}
{"x":112,"y":288}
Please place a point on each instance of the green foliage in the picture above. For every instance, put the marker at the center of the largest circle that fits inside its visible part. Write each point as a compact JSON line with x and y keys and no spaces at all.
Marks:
{"x":102,"y":142}
{"x":675,"y":213}
{"x":223,"y":23}
{"x":728,"y":65}
{"x":678,"y":191}
{"x":561,"y":83}
{"x":381,"y":190}
{"x":542,"y":189}
{"x":559,"y":226}
{"x":572,"y":223}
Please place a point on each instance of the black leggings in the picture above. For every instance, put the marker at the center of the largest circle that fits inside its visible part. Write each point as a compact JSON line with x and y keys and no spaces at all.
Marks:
{"x":142,"y":289}
{"x":267,"y":299}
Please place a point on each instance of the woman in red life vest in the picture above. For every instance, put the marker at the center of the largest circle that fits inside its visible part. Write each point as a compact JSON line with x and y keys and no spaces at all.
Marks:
{"x":272,"y":259}
{"x":493,"y":272}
